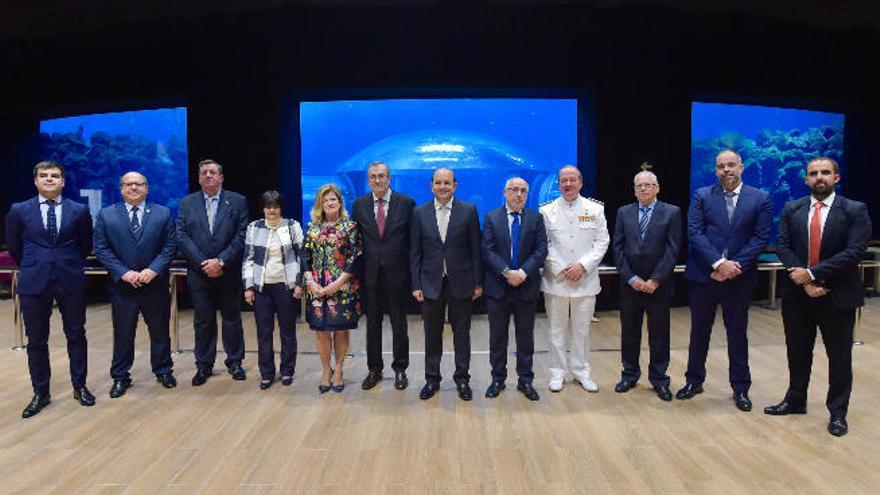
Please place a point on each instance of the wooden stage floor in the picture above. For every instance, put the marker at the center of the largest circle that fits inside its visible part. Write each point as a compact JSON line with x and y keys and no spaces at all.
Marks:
{"x":231,"y":437}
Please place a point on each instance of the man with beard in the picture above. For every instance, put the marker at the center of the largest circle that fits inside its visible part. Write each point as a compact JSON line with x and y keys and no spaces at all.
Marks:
{"x":821,"y":240}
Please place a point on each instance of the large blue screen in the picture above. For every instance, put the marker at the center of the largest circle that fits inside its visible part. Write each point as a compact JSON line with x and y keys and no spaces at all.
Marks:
{"x":97,"y":149}
{"x":774,"y":143}
{"x":485,"y":141}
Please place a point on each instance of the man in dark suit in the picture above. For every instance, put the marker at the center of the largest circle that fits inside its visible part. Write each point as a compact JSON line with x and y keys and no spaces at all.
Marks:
{"x":135,"y":241}
{"x":383,"y":217}
{"x":49,"y":239}
{"x":821,"y":239}
{"x":514,"y":248}
{"x":446,"y":272}
{"x":647,"y":237}
{"x":728,"y":227}
{"x":211,"y":226}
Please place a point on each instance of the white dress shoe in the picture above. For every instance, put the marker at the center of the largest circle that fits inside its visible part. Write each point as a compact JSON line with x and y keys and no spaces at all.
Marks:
{"x":556,"y":384}
{"x":589,"y":385}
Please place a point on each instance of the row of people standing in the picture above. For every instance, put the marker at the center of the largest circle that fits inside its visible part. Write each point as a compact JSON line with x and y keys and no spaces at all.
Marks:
{"x":448,"y":265}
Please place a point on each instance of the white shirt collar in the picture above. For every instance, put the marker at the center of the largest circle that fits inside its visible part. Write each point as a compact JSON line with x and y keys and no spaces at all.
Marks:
{"x":649,"y":206}
{"x":129,"y":206}
{"x":42,"y":199}
{"x":827,"y":201}
{"x":509,"y":211}
{"x":214,"y":196}
{"x":385,"y":197}
{"x":438,"y":206}
{"x":736,"y":190}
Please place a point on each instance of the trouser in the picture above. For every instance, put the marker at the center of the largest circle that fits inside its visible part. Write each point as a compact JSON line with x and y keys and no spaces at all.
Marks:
{"x":569,"y":321}
{"x":634,"y":306}
{"x":434,"y":315}
{"x":523,"y":312}
{"x":154,"y":302}
{"x":381,"y":298}
{"x":275,"y":300}
{"x":209,"y":295}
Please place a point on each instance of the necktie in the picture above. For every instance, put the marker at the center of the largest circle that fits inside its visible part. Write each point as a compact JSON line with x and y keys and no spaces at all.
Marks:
{"x":514,"y":241}
{"x":443,"y":222}
{"x":728,"y":200}
{"x":135,"y":223}
{"x":212,"y":209}
{"x":51,"y":220}
{"x":643,"y":221}
{"x":380,"y":217}
{"x":816,"y":233}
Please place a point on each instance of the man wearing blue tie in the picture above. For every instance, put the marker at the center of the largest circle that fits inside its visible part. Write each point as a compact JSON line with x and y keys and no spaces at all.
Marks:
{"x":211,"y":225}
{"x":49,"y":238}
{"x":514,"y":248}
{"x":647,"y":237}
{"x":136,"y":242}
{"x":728,"y":227}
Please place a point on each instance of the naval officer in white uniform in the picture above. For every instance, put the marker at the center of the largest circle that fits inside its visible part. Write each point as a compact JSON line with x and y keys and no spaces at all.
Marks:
{"x":577,"y":236}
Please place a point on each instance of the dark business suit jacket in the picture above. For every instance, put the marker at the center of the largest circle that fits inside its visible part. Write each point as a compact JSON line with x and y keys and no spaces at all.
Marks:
{"x":654,"y":256}
{"x":844,"y":240}
{"x":461,"y":251}
{"x":496,"y":248}
{"x":710,"y":233}
{"x":391,"y":249}
{"x":198,"y":244}
{"x":38,"y":259}
{"x":119,"y":249}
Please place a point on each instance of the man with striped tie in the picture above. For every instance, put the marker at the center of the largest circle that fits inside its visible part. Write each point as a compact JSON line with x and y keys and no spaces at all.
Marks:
{"x":647,"y":238}
{"x":49,"y":239}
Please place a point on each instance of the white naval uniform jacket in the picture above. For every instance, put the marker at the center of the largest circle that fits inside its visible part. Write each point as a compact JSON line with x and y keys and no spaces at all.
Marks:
{"x":576,"y":233}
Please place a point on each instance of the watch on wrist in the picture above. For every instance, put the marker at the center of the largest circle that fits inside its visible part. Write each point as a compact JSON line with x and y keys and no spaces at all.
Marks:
{"x":505,"y":272}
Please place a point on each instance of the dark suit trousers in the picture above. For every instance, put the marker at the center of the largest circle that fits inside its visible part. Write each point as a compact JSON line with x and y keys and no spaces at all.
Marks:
{"x":154,"y":302}
{"x":275,"y":300}
{"x":384,"y":297}
{"x":633,"y":306}
{"x":434,"y":315}
{"x":800,"y":319}
{"x":500,"y":311}
{"x":209,"y":295}
{"x":36,"y":311}
{"x":733,"y":296}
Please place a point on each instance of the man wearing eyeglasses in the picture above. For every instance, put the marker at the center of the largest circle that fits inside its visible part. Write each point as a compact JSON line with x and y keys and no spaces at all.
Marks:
{"x":135,"y":240}
{"x":383,"y":217}
{"x":514,"y":248}
{"x":647,"y":237}
{"x":577,"y":238}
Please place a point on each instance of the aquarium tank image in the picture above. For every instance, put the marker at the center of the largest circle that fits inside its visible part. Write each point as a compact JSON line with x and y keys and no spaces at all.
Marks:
{"x":774,"y":143}
{"x":484,"y":141}
{"x":97,"y":149}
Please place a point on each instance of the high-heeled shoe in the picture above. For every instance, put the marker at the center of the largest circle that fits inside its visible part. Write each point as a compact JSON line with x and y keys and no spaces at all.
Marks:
{"x":337,"y":387}
{"x":326,"y":388}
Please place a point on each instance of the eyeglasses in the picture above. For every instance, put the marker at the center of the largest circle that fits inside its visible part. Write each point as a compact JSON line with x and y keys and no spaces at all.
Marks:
{"x":517,"y":190}
{"x":645,"y":186}
{"x":137,"y":184}
{"x":377,"y":177}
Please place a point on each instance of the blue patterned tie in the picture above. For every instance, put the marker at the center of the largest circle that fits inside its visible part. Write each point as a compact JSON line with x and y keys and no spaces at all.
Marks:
{"x":514,"y":241}
{"x":643,"y":221}
{"x":51,"y":220}
{"x":135,"y":223}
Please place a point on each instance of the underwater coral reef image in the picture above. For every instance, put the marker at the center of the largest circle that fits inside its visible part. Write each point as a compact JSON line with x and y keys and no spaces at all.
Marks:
{"x":774,"y":143}
{"x":97,"y":149}
{"x":485,"y":141}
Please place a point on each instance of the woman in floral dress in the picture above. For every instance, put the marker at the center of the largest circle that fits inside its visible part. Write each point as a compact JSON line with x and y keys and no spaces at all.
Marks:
{"x":331,"y":247}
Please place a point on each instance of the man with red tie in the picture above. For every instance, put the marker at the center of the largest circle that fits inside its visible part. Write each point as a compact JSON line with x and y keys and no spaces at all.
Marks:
{"x":821,"y":240}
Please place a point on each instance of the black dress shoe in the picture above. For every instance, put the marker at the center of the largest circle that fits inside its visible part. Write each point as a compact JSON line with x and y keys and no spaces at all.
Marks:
{"x":429,"y":390}
{"x":494,"y":389}
{"x":237,"y":372}
{"x":36,"y":405}
{"x":624,"y":386}
{"x":371,"y":380}
{"x":201,"y":377}
{"x":689,"y":390}
{"x":287,"y":380}
{"x":464,"y":391}
{"x":742,"y":401}
{"x":265,"y":384}
{"x":838,"y":427}
{"x":663,"y":392}
{"x":400,"y":380}
{"x":784,"y":409}
{"x":83,"y":396}
{"x":119,"y":387}
{"x":167,"y":380}
{"x":528,"y":390}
